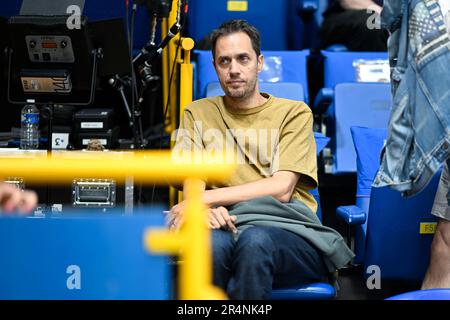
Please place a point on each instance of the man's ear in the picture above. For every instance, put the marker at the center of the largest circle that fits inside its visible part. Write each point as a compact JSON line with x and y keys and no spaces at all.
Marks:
{"x":260,"y":63}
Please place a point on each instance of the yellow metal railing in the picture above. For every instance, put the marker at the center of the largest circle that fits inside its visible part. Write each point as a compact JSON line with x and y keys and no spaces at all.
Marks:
{"x":186,"y":73}
{"x":196,"y":266}
{"x":171,"y":77}
{"x":186,"y":89}
{"x":191,"y":243}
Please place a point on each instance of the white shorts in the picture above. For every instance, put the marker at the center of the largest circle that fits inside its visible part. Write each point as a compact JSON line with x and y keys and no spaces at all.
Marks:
{"x":441,"y":208}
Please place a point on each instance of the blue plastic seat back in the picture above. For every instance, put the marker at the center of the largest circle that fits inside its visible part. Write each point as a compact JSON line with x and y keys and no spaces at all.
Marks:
{"x":430,"y":294}
{"x":338,"y":66}
{"x":321,"y":142}
{"x":357,"y":104}
{"x":287,"y":90}
{"x":81,"y":257}
{"x":279,"y":66}
{"x":353,"y":103}
{"x":368,"y":143}
{"x":398,"y":232}
{"x":313,"y":291}
{"x":108,"y":9}
{"x":278,"y":22}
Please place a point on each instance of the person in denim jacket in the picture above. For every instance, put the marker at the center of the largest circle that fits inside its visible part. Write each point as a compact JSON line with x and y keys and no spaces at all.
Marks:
{"x":419,"y":128}
{"x":419,"y":137}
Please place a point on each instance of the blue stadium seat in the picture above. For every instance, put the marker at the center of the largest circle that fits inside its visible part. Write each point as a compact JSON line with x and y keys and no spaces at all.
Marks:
{"x":338,"y":66}
{"x":344,"y":102}
{"x":108,"y":9}
{"x":400,"y":232}
{"x":279,"y":66}
{"x":393,"y":233}
{"x":286,"y":30}
{"x":321,"y":143}
{"x":430,"y":294}
{"x":368,"y":143}
{"x":356,"y":104}
{"x":75,"y":257}
{"x":313,"y":291}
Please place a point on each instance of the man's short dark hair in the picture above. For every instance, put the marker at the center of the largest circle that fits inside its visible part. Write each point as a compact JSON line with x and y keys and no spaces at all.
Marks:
{"x":235,"y":26}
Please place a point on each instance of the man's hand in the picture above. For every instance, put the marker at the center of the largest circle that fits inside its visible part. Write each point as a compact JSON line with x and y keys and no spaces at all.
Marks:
{"x":14,"y":199}
{"x":175,"y":217}
{"x":219,"y":218}
{"x":360,"y":5}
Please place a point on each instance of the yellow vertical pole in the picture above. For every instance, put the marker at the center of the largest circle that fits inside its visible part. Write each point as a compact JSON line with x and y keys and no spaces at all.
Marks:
{"x":186,"y":80}
{"x":170,"y":123}
{"x":165,"y":66}
{"x":193,"y":244}
{"x":197,"y":261}
{"x":171,"y":101}
{"x":196,"y":273}
{"x":186,"y":74}
{"x":186,"y":93}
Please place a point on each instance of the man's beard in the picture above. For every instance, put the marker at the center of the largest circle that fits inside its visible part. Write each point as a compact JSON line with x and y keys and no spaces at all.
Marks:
{"x":242,"y":92}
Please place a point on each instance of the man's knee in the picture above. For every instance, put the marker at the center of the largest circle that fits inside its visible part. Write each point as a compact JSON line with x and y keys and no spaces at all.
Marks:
{"x":255,"y":239}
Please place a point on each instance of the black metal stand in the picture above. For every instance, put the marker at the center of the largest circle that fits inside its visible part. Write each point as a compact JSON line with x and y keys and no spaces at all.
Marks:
{"x":48,"y":110}
{"x":119,"y":84}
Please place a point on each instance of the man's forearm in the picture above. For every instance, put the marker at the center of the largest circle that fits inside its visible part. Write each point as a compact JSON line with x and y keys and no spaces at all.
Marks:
{"x":264,"y":187}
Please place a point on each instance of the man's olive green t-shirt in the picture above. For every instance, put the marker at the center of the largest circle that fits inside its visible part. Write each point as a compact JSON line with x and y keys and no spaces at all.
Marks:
{"x":262,"y":140}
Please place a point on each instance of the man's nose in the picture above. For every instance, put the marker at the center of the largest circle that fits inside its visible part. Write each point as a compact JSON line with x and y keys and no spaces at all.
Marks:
{"x":234,"y":67}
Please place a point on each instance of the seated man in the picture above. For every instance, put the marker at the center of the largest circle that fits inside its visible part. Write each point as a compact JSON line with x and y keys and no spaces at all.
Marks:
{"x":265,"y":231}
{"x":14,"y":199}
{"x":349,"y":22}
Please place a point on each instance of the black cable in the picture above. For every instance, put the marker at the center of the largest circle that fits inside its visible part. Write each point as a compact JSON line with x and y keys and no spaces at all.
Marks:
{"x":168,"y":94}
{"x":165,"y":113}
{"x":127,"y":23}
{"x":133,"y":16}
{"x":133,"y":77}
{"x":132,"y":27}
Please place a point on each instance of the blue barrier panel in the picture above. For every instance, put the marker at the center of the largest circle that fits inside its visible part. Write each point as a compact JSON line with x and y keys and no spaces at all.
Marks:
{"x":90,"y":256}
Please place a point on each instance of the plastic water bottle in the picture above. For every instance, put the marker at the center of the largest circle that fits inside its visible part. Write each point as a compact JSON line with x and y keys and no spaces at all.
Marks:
{"x":29,"y":130}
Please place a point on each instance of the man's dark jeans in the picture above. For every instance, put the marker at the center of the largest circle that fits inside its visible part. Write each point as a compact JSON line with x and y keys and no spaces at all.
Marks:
{"x":261,"y":259}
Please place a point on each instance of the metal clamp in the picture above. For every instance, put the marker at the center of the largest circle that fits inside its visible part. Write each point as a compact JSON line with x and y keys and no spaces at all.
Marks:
{"x":93,"y":193}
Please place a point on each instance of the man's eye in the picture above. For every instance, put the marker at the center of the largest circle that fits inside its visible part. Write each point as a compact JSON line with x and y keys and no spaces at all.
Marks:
{"x":224,"y":61}
{"x":243,"y":59}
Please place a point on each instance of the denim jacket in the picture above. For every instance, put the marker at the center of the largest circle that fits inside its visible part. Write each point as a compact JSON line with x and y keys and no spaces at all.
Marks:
{"x":418,"y":134}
